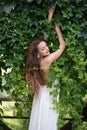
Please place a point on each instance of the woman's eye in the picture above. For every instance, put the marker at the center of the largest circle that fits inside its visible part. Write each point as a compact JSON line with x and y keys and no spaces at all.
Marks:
{"x":44,"y":48}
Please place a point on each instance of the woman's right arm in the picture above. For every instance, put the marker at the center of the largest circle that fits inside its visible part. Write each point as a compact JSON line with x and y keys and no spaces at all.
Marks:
{"x":55,"y":55}
{"x":60,"y":37}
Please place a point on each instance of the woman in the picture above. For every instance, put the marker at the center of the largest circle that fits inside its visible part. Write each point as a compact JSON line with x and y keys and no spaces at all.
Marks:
{"x":38,"y":61}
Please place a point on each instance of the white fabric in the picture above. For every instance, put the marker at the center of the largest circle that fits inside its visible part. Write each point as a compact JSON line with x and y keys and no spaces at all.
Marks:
{"x":43,"y":117}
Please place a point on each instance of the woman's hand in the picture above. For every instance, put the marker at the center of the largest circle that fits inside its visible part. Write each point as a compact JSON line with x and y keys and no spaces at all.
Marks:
{"x":50,"y":13}
{"x":56,"y":26}
{"x":60,"y":37}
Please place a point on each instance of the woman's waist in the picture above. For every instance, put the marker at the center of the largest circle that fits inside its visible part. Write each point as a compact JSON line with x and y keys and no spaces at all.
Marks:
{"x":44,"y":88}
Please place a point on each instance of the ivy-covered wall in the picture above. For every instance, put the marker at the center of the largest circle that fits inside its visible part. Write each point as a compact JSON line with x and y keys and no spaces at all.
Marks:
{"x":20,"y":22}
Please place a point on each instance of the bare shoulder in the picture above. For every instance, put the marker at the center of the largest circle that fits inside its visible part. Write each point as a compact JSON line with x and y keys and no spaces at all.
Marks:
{"x":44,"y":66}
{"x":47,"y":61}
{"x":44,"y":63}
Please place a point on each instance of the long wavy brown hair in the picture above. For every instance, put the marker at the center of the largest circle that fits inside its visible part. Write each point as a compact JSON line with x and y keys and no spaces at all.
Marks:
{"x":34,"y":74}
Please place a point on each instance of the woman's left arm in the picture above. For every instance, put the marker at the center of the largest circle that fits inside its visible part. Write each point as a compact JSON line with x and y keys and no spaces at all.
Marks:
{"x":50,"y":14}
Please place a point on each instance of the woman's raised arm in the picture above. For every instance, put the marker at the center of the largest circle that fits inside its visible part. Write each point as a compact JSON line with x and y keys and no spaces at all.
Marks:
{"x":55,"y":55}
{"x":50,"y":14}
{"x":60,"y":37}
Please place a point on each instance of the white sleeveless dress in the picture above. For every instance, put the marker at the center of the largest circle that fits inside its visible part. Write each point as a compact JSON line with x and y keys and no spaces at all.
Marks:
{"x":43,"y":117}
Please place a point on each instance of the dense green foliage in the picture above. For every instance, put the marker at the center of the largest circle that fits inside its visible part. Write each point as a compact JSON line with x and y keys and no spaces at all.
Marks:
{"x":28,"y":20}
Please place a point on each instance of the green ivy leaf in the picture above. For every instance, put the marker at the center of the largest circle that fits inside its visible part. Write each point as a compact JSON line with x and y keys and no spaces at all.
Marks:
{"x":38,"y":1}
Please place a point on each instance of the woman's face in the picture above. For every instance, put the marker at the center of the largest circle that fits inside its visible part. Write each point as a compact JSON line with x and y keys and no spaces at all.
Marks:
{"x":43,"y":49}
